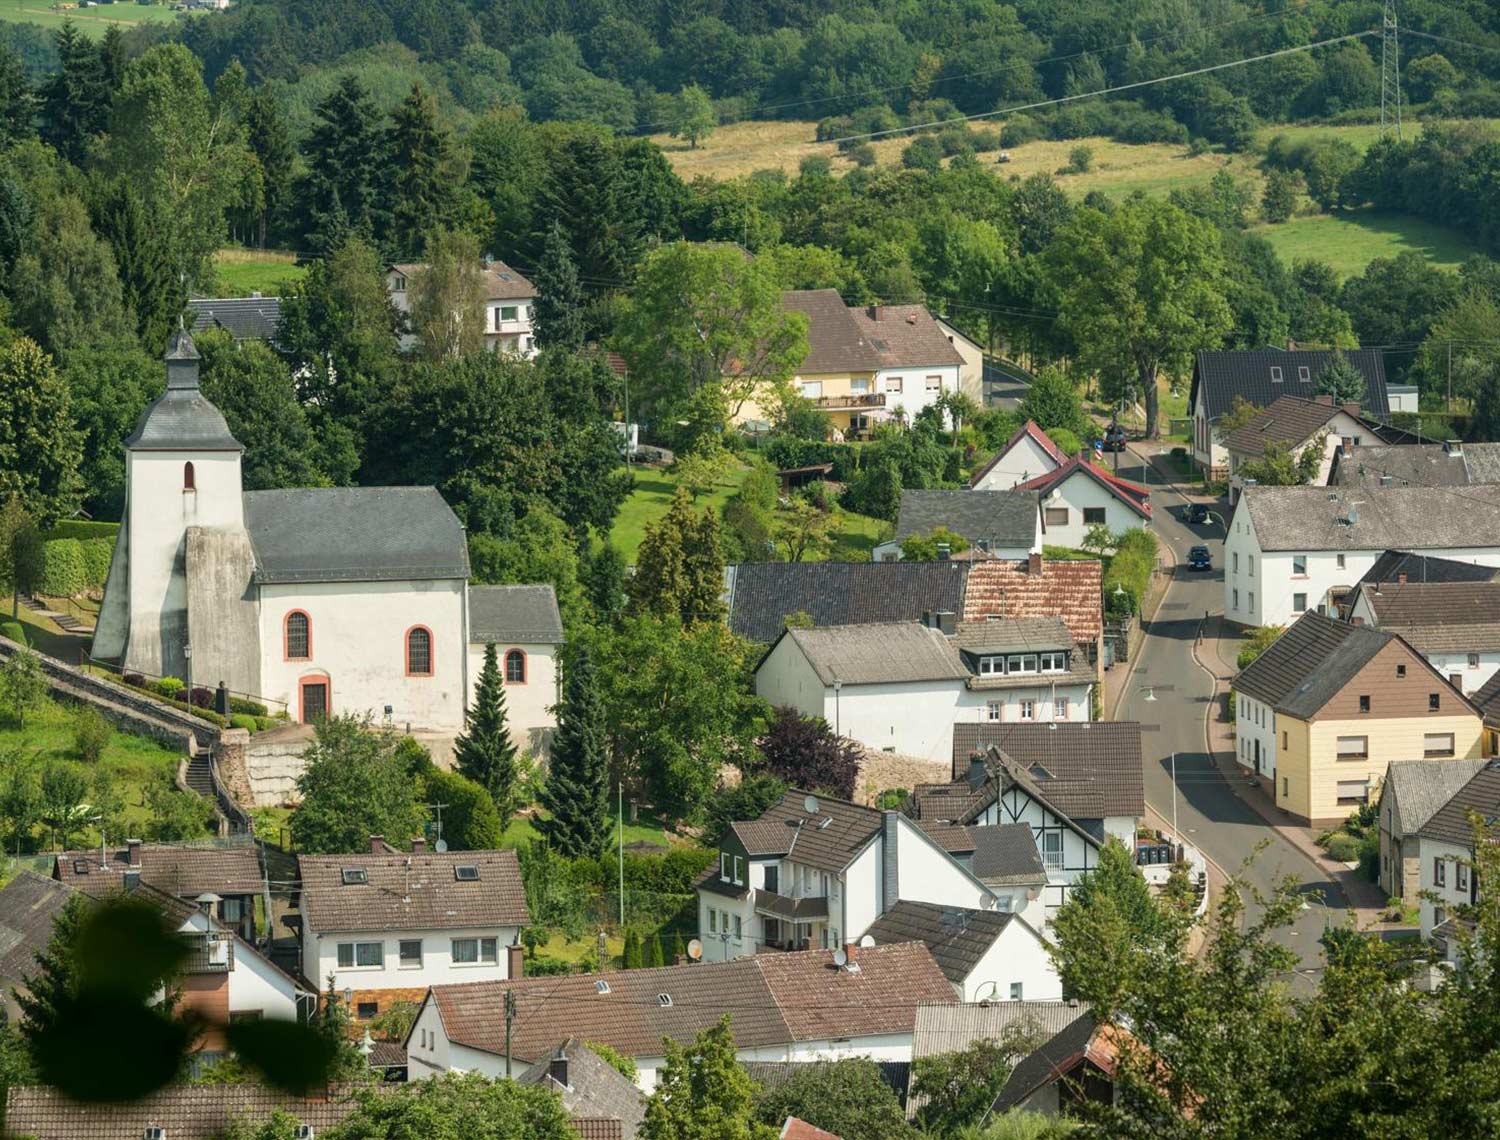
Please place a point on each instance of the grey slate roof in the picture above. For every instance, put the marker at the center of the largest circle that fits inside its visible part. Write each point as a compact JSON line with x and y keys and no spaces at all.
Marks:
{"x":883,"y":653}
{"x":1416,"y":789}
{"x":761,"y":595}
{"x":1308,"y":665}
{"x":1438,"y":617}
{"x":1479,"y":796}
{"x":1087,"y":769}
{"x":1006,"y":855}
{"x":1055,"y":1059}
{"x":511,"y":614}
{"x":829,"y":847}
{"x":1007,"y":520}
{"x":1247,"y":372}
{"x":594,"y":1087}
{"x":1384,"y":518}
{"x":29,"y":905}
{"x":355,"y":534}
{"x":182,"y":418}
{"x":1426,"y":568}
{"x":1013,"y":635}
{"x":958,"y":937}
{"x":429,"y":896}
{"x":1425,"y":465}
{"x":244,"y":318}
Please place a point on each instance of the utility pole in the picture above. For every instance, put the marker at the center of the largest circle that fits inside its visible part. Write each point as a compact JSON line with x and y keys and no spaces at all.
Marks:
{"x":620,"y":810}
{"x":510,"y":1016}
{"x":1390,"y":73}
{"x":1449,"y":406}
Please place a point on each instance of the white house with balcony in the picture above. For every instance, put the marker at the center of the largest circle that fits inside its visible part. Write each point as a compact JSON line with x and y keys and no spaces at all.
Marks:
{"x":509,"y":305}
{"x":1455,"y":625}
{"x":902,"y":686}
{"x":1293,"y":549}
{"x":385,"y":925}
{"x":815,"y":872}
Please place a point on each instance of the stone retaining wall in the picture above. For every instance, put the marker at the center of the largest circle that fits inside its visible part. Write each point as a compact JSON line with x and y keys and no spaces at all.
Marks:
{"x":272,"y":763}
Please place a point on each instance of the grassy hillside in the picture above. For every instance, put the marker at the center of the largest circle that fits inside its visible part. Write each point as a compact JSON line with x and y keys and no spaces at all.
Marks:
{"x":1349,"y":242}
{"x":91,"y":21}
{"x":245,"y":271}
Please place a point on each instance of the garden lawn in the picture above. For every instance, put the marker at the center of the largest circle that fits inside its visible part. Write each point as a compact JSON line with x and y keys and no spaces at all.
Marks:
{"x":135,"y":760}
{"x":1349,"y":242}
{"x":647,"y":830}
{"x":242,"y":272}
{"x":652,"y":495}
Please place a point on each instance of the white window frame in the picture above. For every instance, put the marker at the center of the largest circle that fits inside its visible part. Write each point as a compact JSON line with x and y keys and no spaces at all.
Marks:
{"x":934,"y":383}
{"x":724,"y":866}
{"x":356,"y":950}
{"x":513,"y":310}
{"x":1275,"y":374}
{"x":1473,"y":661}
{"x":1026,"y":709}
{"x":1052,"y":859}
{"x":1060,"y":708}
{"x":993,"y":709}
{"x":1299,"y":565}
{"x":486,"y":951}
{"x":812,"y":389}
{"x":1304,"y":373}
{"x":859,"y":386}
{"x":992,"y":666}
{"x":1055,"y":661}
{"x":893,"y":384}
{"x":401,"y":955}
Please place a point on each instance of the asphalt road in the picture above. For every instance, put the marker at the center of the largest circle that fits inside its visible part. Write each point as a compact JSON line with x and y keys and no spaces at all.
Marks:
{"x":1209,"y":813}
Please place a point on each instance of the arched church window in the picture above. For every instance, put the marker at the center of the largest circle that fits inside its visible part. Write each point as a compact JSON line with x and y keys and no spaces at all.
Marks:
{"x":515,"y":667}
{"x":298,"y":636}
{"x":189,"y":483}
{"x":419,"y":652}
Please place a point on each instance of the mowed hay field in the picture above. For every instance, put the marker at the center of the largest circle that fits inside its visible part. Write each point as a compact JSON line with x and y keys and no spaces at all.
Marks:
{"x":1348,"y":242}
{"x":91,"y":22}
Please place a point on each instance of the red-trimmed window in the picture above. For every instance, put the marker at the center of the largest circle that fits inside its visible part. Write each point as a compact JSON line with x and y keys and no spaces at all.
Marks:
{"x":419,"y":651}
{"x":298,"y":636}
{"x":515,"y":667}
{"x":189,"y":479}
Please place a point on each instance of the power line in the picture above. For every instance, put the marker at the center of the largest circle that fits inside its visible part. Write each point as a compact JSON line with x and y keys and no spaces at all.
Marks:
{"x":1001,"y":69}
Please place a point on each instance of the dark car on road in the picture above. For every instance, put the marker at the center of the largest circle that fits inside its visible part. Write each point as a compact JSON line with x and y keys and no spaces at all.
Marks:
{"x":1200,"y":559}
{"x":1114,"y":438}
{"x":1197,"y":513}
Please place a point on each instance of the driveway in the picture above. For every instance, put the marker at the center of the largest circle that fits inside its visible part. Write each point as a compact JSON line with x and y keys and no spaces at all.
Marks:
{"x":1210,"y":814}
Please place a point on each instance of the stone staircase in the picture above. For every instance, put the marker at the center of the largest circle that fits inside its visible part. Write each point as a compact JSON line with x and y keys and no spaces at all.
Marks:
{"x":200,"y":776}
{"x":68,"y":623}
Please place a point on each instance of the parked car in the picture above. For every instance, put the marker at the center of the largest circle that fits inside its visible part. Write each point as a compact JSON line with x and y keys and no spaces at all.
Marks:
{"x":1200,"y":559}
{"x":1114,"y":438}
{"x":1197,"y":513}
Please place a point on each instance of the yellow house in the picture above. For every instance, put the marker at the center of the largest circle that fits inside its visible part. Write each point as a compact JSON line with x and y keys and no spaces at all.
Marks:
{"x":1329,"y":705}
{"x":866,"y":364}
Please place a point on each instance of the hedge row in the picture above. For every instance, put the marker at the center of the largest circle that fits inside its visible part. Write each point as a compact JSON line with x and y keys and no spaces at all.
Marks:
{"x":1130,"y":568}
{"x":81,"y":529}
{"x":71,"y":565}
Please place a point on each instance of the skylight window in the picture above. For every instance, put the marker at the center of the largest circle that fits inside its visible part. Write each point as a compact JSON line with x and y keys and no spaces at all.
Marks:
{"x":601,"y":986}
{"x":664,"y":1000}
{"x":355,"y":876}
{"x":466,"y":873}
{"x":80,"y":866}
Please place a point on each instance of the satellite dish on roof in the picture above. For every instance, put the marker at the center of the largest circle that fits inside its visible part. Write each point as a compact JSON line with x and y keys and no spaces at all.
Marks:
{"x":867,"y":941}
{"x":810,"y":805}
{"x":695,"y":950}
{"x":441,"y":846}
{"x":841,"y":957}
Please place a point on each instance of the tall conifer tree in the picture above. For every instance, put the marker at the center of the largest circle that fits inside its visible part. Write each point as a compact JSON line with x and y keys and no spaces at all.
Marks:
{"x":577,"y":790}
{"x":485,"y":752}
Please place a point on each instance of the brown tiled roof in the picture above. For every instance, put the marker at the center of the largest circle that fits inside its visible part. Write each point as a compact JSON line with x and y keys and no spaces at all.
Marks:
{"x":828,"y":846}
{"x":501,"y":282}
{"x":1439,"y":617}
{"x":183,"y":871}
{"x":1066,"y":588}
{"x":598,"y":1128}
{"x":595,"y":1089}
{"x":1309,"y":664}
{"x":428,"y":897}
{"x":763,"y":836}
{"x":183,"y":1112}
{"x":906,"y":336}
{"x":835,"y":341}
{"x":774,"y":999}
{"x":1085,"y":769}
{"x":1290,"y":421}
{"x":957,"y":937}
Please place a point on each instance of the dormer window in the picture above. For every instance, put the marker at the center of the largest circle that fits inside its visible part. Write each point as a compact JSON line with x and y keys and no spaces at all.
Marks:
{"x":189,"y":479}
{"x":724,"y":866}
{"x":153,"y":1132}
{"x":1055,"y":662}
{"x":991,"y":666}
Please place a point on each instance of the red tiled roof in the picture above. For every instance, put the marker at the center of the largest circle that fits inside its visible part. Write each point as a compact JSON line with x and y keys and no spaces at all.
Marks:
{"x":798,"y":1129}
{"x":1067,"y":588}
{"x":1133,"y":495}
{"x":412,"y":891}
{"x":1042,"y":439}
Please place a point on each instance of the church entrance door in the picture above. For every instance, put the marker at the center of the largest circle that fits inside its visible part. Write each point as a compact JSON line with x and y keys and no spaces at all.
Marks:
{"x":314,"y":700}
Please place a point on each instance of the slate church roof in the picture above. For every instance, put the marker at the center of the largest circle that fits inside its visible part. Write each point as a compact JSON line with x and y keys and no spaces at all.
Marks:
{"x":244,"y":318}
{"x":526,"y":614}
{"x":182,"y":418}
{"x":354,"y":534}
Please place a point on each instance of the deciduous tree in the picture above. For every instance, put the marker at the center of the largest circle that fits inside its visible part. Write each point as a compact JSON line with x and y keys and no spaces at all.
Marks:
{"x":702,"y":1093}
{"x":447,"y":297}
{"x":848,"y":1098}
{"x":693,"y":116}
{"x":354,"y":786}
{"x":806,"y":753}
{"x":40,"y":449}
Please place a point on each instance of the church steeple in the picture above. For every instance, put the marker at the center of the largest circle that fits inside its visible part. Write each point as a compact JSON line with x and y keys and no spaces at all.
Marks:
{"x":182,"y":361}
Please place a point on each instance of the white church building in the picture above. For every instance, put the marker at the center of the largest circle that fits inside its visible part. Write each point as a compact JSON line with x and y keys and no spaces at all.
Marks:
{"x":317,"y":600}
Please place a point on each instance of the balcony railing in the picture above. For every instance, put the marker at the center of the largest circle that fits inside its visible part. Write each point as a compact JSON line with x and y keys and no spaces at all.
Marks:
{"x":806,"y":909}
{"x":853,"y":400}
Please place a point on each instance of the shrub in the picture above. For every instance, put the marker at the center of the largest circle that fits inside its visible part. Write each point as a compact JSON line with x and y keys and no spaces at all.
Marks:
{"x":201,"y":698}
{"x":1130,"y":569}
{"x":546,"y":966}
{"x":862,"y":154}
{"x":245,"y":721}
{"x":249,"y":708}
{"x":64,"y":572}
{"x":985,"y":138}
{"x":924,"y":153}
{"x":1343,"y":847}
{"x":1081,"y":158}
{"x":97,"y":553}
{"x":134,"y":680}
{"x":83,"y":529}
{"x":1021,"y":129}
{"x":169,"y":687}
{"x":91,"y":735}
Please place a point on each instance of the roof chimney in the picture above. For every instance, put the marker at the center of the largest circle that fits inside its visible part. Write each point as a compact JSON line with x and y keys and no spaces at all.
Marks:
{"x":1291,"y":345}
{"x":1347,"y":445}
{"x":1034,"y":563}
{"x":850,"y":950}
{"x":557,"y":1068}
{"x":876,"y":312}
{"x":515,"y":961}
{"x":944,"y":551}
{"x":133,"y":851}
{"x":1401,"y":577}
{"x":419,"y":844}
{"x":947,"y":622}
{"x":1352,"y":408}
{"x":377,"y":845}
{"x":1326,"y":401}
